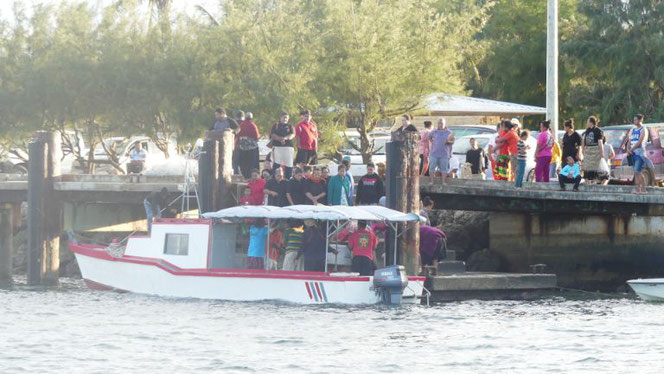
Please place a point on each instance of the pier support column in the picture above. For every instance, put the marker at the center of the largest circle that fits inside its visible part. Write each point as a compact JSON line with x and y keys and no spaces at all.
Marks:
{"x":217,"y":163}
{"x":6,"y":245}
{"x":403,"y":194}
{"x":44,"y":210}
{"x":206,"y":175}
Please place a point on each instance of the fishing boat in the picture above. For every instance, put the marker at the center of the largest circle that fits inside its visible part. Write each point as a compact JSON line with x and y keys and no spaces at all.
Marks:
{"x":198,"y":258}
{"x":648,"y":289}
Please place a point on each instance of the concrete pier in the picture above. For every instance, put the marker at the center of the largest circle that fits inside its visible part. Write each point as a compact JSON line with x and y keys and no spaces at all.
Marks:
{"x":489,"y":286}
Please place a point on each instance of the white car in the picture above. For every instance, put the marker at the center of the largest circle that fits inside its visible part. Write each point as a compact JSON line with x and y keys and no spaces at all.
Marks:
{"x":123,"y":146}
{"x":358,"y":168}
{"x":462,"y":145}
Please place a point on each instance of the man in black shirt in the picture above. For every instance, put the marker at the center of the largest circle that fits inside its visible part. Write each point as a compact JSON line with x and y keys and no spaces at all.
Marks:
{"x":571,"y":142}
{"x":315,"y":188}
{"x":275,"y":189}
{"x":281,"y":139}
{"x":477,"y":159}
{"x":370,"y":187}
{"x":153,"y":204}
{"x":295,"y":189}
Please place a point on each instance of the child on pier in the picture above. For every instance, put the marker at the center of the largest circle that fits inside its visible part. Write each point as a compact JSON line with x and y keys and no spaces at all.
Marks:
{"x":521,"y":158}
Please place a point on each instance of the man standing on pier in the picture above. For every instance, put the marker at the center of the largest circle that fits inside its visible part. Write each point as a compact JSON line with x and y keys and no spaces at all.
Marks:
{"x":307,"y":145}
{"x":223,"y":122}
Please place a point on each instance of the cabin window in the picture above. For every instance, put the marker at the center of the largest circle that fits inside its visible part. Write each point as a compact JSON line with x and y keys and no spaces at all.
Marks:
{"x":176,"y":244}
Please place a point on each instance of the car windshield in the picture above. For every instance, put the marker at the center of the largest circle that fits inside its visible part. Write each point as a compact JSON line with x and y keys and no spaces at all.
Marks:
{"x":379,"y":145}
{"x":461,"y":146}
{"x":614,"y":136}
{"x":460,"y":131}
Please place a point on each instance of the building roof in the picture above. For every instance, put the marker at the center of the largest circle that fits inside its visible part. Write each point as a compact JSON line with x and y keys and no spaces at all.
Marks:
{"x":453,"y":105}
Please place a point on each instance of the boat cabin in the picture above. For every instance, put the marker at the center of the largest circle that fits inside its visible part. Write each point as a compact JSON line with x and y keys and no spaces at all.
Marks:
{"x":220,"y":240}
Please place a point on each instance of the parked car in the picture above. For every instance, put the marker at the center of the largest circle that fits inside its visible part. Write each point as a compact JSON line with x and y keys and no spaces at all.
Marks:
{"x":615,"y":136}
{"x":465,"y":130}
{"x":123,"y":146}
{"x":357,"y":166}
{"x":462,"y":145}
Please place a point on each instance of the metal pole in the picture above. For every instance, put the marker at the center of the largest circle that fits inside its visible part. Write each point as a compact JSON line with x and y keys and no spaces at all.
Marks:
{"x":552,"y":65}
{"x":327,"y":241}
{"x":396,"y":238}
{"x":267,"y":248}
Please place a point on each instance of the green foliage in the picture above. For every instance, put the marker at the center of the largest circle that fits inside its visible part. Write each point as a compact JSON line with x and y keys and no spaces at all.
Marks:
{"x":619,"y":60}
{"x":511,"y":62}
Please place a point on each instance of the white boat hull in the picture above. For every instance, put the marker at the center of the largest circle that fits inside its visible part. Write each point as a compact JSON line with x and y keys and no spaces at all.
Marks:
{"x":158,"y":277}
{"x":648,"y":289}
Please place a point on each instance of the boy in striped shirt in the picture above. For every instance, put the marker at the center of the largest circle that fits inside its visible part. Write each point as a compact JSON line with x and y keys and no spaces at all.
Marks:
{"x":521,"y":158}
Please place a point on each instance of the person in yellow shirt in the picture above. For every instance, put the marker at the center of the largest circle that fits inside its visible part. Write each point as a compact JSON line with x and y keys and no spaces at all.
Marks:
{"x":556,"y":156}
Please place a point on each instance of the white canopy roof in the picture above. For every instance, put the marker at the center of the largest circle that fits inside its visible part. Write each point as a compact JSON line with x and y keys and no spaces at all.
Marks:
{"x":318,"y":212}
{"x":453,"y":105}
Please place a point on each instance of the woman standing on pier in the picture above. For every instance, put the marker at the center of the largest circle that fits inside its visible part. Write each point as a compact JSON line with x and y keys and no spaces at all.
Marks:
{"x":543,"y":152}
{"x":593,"y":149}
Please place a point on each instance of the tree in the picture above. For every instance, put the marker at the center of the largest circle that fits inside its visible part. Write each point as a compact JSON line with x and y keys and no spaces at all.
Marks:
{"x":382,"y":57}
{"x":511,"y":63}
{"x":619,"y":60}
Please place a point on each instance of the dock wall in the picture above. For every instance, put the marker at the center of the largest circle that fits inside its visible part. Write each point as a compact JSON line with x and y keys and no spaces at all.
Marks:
{"x":591,"y":252}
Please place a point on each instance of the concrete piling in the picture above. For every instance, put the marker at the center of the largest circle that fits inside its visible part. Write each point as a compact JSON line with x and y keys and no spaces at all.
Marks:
{"x":6,"y":245}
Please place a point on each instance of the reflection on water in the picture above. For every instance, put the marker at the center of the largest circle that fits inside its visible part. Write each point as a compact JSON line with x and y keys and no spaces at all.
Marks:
{"x":75,"y":330}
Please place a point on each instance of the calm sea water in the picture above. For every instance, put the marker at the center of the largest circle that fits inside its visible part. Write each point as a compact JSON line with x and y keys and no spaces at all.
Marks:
{"x":75,"y":330}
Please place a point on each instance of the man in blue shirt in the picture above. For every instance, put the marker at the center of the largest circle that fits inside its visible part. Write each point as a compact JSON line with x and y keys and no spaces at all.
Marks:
{"x":570,"y":174}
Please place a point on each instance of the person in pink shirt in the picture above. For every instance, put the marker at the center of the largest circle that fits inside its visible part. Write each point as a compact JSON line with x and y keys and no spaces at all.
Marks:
{"x":543,"y":152}
{"x":424,"y":148}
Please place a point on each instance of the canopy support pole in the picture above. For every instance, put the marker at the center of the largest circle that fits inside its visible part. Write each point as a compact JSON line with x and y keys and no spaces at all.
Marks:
{"x":266,"y":264}
{"x":327,"y":241}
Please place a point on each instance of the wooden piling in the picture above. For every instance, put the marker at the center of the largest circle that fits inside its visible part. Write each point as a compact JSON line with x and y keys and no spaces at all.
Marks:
{"x":404,"y":194}
{"x":6,"y":245}
{"x":220,"y":146}
{"x":206,"y":176}
{"x":412,"y":248}
{"x":44,"y":210}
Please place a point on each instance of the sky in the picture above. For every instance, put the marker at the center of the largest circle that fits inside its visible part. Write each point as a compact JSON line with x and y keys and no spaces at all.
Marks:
{"x":178,"y":5}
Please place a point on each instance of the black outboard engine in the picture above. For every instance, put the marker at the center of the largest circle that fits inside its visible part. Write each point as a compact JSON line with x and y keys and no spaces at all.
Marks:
{"x":390,"y":282}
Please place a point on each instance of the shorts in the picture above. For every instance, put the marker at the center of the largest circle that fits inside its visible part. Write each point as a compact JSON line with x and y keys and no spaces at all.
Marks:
{"x":307,"y":157}
{"x":363,"y":265}
{"x":442,"y":163}
{"x":255,"y":262}
{"x":639,"y":162}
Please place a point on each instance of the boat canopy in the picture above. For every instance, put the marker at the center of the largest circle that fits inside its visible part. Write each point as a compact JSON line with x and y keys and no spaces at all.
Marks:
{"x":317,"y":212}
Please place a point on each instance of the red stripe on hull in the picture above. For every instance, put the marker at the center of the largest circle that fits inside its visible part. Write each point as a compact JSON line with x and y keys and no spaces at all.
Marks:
{"x":320,"y":295}
{"x":99,"y":252}
{"x":311,"y":296}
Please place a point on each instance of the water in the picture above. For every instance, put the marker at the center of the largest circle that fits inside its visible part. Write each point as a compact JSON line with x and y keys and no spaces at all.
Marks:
{"x":76,"y":330}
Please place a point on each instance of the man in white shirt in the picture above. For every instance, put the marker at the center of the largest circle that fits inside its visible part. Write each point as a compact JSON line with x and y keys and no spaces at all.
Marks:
{"x":137,"y":158}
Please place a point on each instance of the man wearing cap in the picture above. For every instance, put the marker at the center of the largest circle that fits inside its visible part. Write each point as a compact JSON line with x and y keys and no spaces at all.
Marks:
{"x":306,"y":133}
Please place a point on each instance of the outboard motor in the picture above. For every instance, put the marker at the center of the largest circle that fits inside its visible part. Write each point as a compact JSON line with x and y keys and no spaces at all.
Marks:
{"x":390,"y":282}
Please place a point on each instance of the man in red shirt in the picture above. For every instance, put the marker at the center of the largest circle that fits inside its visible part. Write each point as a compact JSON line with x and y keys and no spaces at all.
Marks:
{"x":257,"y":185}
{"x":362,"y":243}
{"x":306,"y":133}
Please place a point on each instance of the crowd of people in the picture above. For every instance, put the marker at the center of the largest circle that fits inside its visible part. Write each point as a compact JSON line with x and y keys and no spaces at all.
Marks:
{"x":586,"y":156}
{"x":293,"y":177}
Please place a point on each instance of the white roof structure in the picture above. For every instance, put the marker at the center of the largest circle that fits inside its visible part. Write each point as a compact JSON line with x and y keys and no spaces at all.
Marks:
{"x":318,"y":212}
{"x":441,"y":104}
